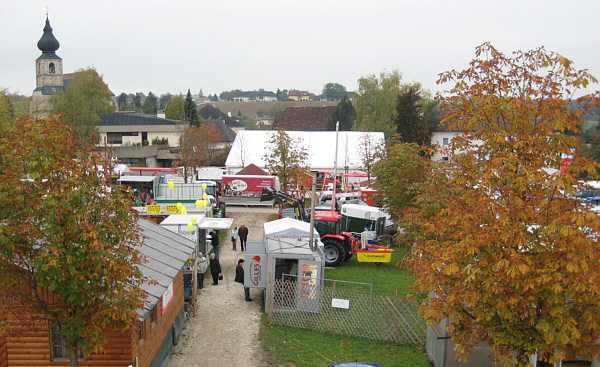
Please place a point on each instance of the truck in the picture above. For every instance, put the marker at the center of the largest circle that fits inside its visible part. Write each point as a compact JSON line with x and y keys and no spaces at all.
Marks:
{"x":338,"y":245}
{"x":245,"y":189}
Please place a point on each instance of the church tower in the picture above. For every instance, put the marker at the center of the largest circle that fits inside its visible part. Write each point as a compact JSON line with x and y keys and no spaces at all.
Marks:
{"x":48,"y":73}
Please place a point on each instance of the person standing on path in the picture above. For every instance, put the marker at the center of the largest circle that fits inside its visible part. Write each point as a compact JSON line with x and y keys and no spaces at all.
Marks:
{"x":234,"y":237}
{"x":243,"y":233}
{"x":215,"y":269}
{"x":214,"y":240}
{"x":239,"y":278}
{"x":202,"y":267}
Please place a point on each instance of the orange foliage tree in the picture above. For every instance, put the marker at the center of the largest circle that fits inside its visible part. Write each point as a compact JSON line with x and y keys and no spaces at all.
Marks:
{"x":510,"y":259}
{"x":197,"y":148}
{"x":66,"y":230}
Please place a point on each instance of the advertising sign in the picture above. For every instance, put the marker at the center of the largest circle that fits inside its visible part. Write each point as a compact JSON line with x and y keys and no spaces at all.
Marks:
{"x":153,"y":208}
{"x":167,"y":298}
{"x":245,"y":186}
{"x":255,"y":271}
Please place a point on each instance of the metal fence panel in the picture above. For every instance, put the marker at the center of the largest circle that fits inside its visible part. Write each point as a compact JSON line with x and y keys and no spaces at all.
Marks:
{"x":344,"y":308}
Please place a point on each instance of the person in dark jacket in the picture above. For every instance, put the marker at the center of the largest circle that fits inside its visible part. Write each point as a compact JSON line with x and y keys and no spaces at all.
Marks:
{"x":239,"y":278}
{"x":243,"y":233}
{"x":214,"y":240}
{"x":215,"y":268}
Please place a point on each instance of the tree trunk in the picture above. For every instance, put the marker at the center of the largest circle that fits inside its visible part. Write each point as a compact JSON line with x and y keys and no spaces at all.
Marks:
{"x":73,"y":357}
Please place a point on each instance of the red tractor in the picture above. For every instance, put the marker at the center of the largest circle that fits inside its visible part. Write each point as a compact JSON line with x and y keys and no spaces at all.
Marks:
{"x":339,"y":245}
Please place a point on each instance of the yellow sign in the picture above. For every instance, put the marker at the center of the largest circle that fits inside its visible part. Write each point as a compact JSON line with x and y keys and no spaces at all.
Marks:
{"x":153,"y":208}
{"x":172,"y":209}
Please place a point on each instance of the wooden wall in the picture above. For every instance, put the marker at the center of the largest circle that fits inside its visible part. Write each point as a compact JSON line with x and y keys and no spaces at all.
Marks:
{"x":3,"y":358}
{"x":156,"y":334}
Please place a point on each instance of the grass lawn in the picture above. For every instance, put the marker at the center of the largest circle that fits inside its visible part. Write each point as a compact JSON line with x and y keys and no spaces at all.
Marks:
{"x":306,"y":348}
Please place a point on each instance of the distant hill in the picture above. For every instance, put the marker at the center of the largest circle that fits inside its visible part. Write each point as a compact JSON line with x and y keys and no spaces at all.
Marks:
{"x":250,"y":108}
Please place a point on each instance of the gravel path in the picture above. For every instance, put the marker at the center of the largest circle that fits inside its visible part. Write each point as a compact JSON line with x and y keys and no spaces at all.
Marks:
{"x":224,"y":332}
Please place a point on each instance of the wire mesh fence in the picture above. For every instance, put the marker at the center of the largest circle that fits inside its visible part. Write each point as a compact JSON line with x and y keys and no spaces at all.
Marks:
{"x":344,"y":308}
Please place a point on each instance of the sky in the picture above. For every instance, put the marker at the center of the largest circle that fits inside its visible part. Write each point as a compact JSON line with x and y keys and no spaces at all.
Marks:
{"x":220,"y":45}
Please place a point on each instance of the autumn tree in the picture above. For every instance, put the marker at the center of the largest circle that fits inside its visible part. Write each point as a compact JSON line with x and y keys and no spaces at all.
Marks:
{"x":344,"y":113}
{"x":174,"y":110}
{"x":66,"y":231}
{"x":375,"y":102}
{"x":510,"y":260}
{"x":83,"y":103}
{"x":5,"y":107}
{"x":285,"y":158}
{"x":197,"y":148}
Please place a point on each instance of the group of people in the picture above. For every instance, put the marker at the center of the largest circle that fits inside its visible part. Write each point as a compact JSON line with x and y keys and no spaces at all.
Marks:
{"x":215,"y":266}
{"x":242,"y":234}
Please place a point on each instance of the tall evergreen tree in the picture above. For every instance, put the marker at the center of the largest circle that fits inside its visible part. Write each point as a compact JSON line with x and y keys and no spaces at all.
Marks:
{"x":411,"y":121}
{"x":190,"y":112}
{"x":344,"y":113}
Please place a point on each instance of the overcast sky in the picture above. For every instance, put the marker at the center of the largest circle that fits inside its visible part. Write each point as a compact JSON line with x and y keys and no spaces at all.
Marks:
{"x":173,"y":46}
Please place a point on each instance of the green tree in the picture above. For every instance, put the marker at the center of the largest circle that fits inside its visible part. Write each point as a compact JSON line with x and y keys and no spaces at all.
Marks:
{"x":285,"y":158}
{"x":412,"y":122}
{"x":334,"y":92}
{"x":282,"y":95}
{"x":190,"y":111}
{"x":403,"y":175}
{"x":511,"y":260}
{"x":84,"y":102}
{"x":65,"y":229}
{"x":369,"y":152}
{"x":174,"y":108}
{"x":137,"y":101}
{"x":150,"y":104}
{"x":164,"y":100}
{"x":122,"y":102}
{"x":344,"y":113}
{"x":375,"y":102}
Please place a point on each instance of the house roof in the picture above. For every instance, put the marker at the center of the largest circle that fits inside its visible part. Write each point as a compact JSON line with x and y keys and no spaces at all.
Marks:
{"x":250,"y":147}
{"x":165,"y":253}
{"x":210,"y":112}
{"x":253,"y":170}
{"x":225,"y":132}
{"x":304,"y":118}
{"x":134,"y":118}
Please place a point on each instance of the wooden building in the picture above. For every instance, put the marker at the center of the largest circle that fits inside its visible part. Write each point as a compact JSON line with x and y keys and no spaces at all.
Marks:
{"x":147,"y":344}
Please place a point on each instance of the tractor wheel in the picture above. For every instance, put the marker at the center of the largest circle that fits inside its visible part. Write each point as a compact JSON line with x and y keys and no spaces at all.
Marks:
{"x":334,"y":252}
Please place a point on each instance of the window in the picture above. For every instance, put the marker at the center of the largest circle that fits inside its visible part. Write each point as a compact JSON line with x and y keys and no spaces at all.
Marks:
{"x":51,"y":68}
{"x":142,"y":331}
{"x":114,"y":138}
{"x":154,"y":315}
{"x":60,"y":351}
{"x":445,"y":141}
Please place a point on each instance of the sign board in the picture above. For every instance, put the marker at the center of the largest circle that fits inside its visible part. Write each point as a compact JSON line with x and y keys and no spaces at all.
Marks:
{"x":255,"y":271}
{"x":172,"y":209}
{"x":153,"y":209}
{"x":167,"y":298}
{"x":340,"y":303}
{"x":246,"y":186}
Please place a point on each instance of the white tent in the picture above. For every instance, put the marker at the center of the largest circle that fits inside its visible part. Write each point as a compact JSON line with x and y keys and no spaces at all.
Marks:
{"x":250,"y":146}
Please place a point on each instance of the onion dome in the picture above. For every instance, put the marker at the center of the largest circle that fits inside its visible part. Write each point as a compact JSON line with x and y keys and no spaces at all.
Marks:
{"x":48,"y":43}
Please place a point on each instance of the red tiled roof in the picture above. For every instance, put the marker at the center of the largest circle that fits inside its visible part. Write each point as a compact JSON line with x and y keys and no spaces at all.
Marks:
{"x":303,"y":118}
{"x":252,"y":169}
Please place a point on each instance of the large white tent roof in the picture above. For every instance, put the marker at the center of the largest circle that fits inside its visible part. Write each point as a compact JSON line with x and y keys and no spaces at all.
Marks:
{"x":250,"y":146}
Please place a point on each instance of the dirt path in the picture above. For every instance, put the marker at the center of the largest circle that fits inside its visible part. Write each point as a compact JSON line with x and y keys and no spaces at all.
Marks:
{"x":224,"y":332}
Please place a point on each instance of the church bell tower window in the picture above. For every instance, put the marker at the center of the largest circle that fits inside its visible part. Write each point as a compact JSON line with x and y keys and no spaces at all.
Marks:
{"x":51,"y":68}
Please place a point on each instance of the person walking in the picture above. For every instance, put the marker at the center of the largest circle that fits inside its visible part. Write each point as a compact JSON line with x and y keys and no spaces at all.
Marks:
{"x":202,"y":267}
{"x":215,"y":269}
{"x":234,"y":237}
{"x":243,"y":234}
{"x":214,"y":240}
{"x":239,"y":278}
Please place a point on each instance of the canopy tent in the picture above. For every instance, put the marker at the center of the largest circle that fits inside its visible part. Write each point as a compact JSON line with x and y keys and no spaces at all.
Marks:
{"x":250,"y":146}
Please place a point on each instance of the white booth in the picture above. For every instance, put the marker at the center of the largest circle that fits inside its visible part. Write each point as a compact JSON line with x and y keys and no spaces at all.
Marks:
{"x":286,"y":263}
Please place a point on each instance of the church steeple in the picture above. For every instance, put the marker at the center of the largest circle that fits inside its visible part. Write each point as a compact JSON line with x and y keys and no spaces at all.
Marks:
{"x":48,"y":43}
{"x":48,"y":73}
